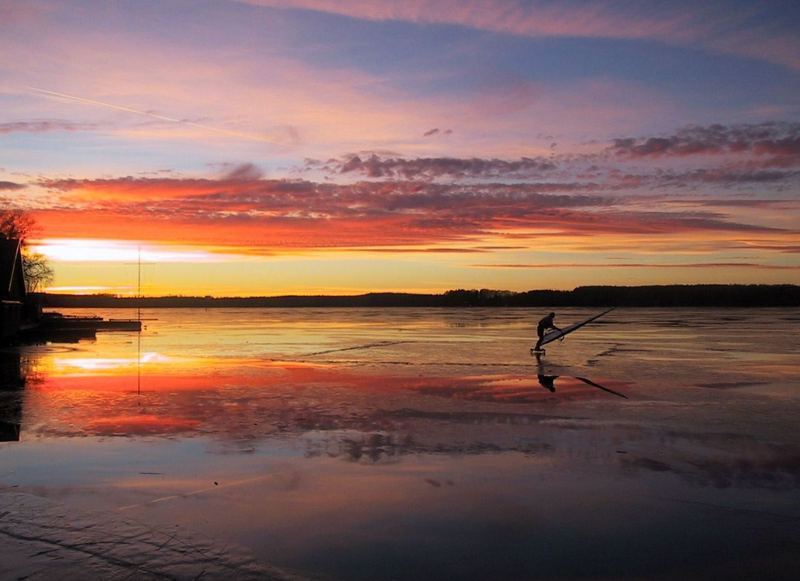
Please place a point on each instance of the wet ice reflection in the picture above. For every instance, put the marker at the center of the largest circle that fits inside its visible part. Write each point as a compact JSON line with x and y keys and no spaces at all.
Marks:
{"x":428,"y":443}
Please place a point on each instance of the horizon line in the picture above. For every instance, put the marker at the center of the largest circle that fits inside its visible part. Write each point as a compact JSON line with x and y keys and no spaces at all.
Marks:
{"x":410,"y":293}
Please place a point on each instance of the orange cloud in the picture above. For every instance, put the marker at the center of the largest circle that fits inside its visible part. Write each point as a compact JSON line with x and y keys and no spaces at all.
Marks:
{"x":242,"y":210}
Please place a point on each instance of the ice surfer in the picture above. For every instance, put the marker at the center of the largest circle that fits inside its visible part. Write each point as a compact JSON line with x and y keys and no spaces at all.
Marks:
{"x":545,"y":324}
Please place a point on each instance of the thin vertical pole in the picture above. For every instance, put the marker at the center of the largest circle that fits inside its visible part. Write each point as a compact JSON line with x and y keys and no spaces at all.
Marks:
{"x":139,"y":362}
{"x":139,"y":318}
{"x":139,"y":289}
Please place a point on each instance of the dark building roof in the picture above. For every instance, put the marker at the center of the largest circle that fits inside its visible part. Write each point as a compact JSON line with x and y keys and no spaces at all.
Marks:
{"x":12,"y":278}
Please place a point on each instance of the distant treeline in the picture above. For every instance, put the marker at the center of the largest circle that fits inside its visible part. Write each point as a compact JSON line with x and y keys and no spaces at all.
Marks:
{"x":706,"y":295}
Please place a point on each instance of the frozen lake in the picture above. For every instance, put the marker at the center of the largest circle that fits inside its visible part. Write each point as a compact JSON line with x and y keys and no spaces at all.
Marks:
{"x":407,"y":444}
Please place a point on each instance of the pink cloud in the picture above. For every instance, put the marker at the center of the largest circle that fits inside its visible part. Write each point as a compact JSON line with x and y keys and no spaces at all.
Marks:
{"x":12,"y":12}
{"x":44,"y":125}
{"x":774,"y":140}
{"x":375,"y":166}
{"x":10,"y":186}
{"x":144,"y":97}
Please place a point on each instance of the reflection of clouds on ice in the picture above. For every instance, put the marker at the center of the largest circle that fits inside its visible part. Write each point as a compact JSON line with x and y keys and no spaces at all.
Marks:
{"x":378,"y":414}
{"x":699,"y":459}
{"x":141,"y":424}
{"x":767,"y":467}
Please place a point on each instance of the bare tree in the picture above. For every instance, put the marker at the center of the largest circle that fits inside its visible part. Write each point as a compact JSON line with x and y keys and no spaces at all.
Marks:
{"x":38,"y":272}
{"x":17,"y":225}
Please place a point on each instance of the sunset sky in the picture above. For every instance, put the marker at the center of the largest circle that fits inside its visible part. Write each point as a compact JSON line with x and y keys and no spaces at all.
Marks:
{"x":263,"y":147}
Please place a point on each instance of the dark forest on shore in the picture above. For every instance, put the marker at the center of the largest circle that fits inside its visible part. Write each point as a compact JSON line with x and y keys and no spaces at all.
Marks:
{"x":588,"y":296}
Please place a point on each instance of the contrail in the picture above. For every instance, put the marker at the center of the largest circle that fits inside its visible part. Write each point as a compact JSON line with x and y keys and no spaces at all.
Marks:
{"x":85,"y":101}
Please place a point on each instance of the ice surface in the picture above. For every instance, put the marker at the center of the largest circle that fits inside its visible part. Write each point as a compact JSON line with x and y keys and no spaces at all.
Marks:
{"x":424,"y":443}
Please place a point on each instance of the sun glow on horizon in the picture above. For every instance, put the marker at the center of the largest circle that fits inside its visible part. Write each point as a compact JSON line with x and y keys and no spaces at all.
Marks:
{"x":90,"y":290}
{"x":100,"y":250}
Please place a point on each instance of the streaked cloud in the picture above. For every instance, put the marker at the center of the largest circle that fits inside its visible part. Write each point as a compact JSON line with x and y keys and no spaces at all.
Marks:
{"x":712,"y":26}
{"x":151,"y":114}
{"x":44,"y":125}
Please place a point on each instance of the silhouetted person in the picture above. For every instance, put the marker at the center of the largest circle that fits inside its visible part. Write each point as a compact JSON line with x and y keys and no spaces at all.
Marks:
{"x":548,"y":382}
{"x":545,"y":324}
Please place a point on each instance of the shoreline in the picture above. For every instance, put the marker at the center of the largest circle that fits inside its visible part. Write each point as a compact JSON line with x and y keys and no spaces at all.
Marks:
{"x":736,"y":295}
